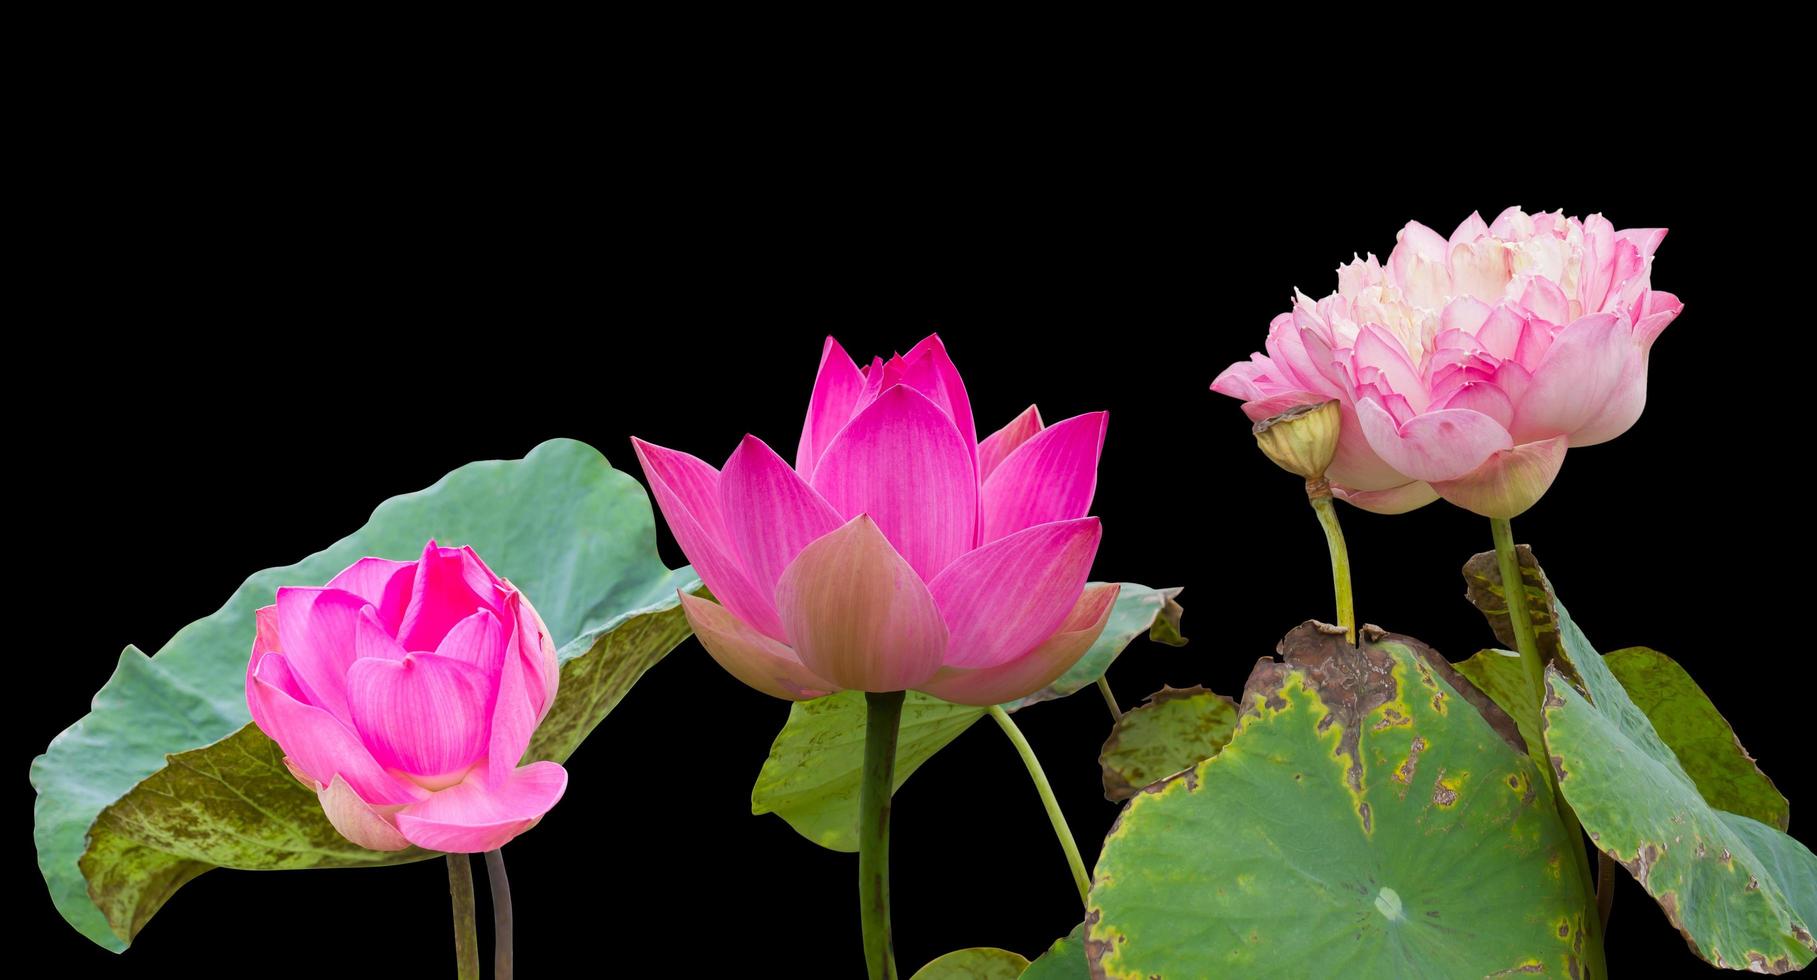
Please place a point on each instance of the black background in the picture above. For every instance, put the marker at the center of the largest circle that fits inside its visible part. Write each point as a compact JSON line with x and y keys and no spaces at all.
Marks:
{"x":250,"y":350}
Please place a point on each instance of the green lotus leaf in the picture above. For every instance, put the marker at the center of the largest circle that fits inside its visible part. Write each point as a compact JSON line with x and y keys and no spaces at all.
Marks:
{"x":977,"y":963}
{"x":1743,"y":893}
{"x":1500,"y":676}
{"x":1698,"y":735}
{"x":1174,"y":730}
{"x":812,"y":776}
{"x":1364,"y":821}
{"x":1064,"y":960}
{"x":166,"y":777}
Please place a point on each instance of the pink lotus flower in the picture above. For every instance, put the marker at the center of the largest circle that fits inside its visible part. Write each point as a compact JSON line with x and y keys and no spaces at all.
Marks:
{"x":404,"y":694}
{"x":1465,"y":367}
{"x":898,"y":552}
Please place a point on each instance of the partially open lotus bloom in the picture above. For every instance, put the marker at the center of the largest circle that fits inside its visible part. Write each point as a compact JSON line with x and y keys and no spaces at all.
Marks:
{"x":1465,"y":367}
{"x":405,"y":693}
{"x":898,"y":552}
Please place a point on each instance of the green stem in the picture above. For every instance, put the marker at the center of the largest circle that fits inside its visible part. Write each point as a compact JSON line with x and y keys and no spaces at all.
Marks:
{"x":1520,"y":620}
{"x":1081,"y":878}
{"x":882,"y":719}
{"x":501,"y":914}
{"x":1320,"y":492}
{"x":1110,"y":699}
{"x":1605,"y":887}
{"x":1514,"y":594}
{"x":466,"y":937}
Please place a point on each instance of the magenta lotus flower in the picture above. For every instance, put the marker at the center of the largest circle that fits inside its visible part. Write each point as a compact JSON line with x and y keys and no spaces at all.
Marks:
{"x":404,"y":693}
{"x":899,"y":552}
{"x":1465,"y":367}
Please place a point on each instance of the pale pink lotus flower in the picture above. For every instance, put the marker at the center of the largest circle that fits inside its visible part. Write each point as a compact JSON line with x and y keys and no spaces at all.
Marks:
{"x":1465,"y":367}
{"x":404,"y":694}
{"x":899,"y":552}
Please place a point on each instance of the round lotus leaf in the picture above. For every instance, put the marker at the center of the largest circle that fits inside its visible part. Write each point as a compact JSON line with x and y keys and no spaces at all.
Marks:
{"x":1366,"y":820}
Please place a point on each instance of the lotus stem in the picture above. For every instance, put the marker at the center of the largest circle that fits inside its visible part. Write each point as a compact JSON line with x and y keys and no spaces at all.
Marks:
{"x":1605,"y":888}
{"x":501,"y":914}
{"x":1520,"y":620}
{"x":1081,"y":878}
{"x":1514,"y":594}
{"x":882,"y":719}
{"x":1319,"y":492}
{"x":466,"y":937}
{"x":1110,"y":700}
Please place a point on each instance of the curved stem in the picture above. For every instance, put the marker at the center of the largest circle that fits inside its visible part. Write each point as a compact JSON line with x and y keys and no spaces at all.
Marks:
{"x":1320,"y":493}
{"x":501,"y":914}
{"x":1110,"y":699}
{"x":1081,"y":878}
{"x":466,"y":937}
{"x":882,"y":719}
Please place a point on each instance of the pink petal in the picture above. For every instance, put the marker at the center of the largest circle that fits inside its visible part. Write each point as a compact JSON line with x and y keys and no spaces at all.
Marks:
{"x":516,"y":710}
{"x":1645,"y":239}
{"x":1394,"y":500}
{"x":1598,"y":272}
{"x":1051,"y":477}
{"x":1484,"y":397}
{"x":370,"y":638}
{"x":1510,"y":482}
{"x":902,"y":462}
{"x":534,"y":644}
{"x":1267,"y":408}
{"x":1546,"y":300}
{"x":424,"y":715}
{"x":1481,"y":270}
{"x":1536,"y":335}
{"x":1466,"y":314}
{"x":1654,"y":310}
{"x":999,"y":444}
{"x":478,"y":641}
{"x":1416,"y":239}
{"x":1248,"y":380}
{"x":1500,"y":333}
{"x":450,"y":584}
{"x":748,"y":655}
{"x":1003,"y":599}
{"x":316,"y":742}
{"x":1419,"y":265}
{"x":770,"y":512}
{"x":1512,"y":379}
{"x":857,"y":613}
{"x":1376,"y":348}
{"x":479,"y":816}
{"x":316,"y":628}
{"x":837,"y":387}
{"x":1512,"y":223}
{"x":928,"y":368}
{"x":264,"y":641}
{"x":384,"y":583}
{"x":1039,"y":667}
{"x":687,"y":492}
{"x":1441,"y":445}
{"x":1469,"y":230}
{"x":1592,"y":380}
{"x":1293,"y":359}
{"x":357,"y":820}
{"x":1357,"y":465}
